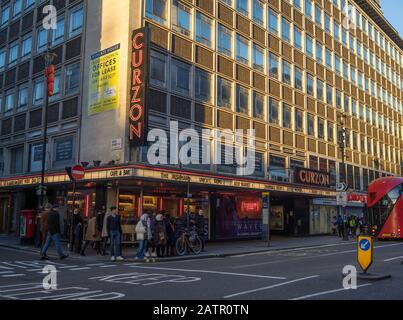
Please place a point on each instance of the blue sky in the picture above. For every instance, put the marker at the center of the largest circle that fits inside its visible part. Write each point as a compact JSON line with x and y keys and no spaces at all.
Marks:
{"x":393,"y":10}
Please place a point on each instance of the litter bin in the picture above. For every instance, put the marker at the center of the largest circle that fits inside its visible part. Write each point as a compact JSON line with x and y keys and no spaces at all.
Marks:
{"x":27,"y":226}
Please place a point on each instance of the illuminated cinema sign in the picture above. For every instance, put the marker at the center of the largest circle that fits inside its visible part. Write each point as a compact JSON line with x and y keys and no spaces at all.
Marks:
{"x":138,"y":88}
{"x":312,"y":177}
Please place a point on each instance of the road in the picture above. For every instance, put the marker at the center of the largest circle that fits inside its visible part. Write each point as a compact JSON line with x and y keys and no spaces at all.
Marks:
{"x":299,"y":274}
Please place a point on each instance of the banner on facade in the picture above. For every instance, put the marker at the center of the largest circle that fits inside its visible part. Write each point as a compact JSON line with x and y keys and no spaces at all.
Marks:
{"x":138,"y":88}
{"x":104,"y":80}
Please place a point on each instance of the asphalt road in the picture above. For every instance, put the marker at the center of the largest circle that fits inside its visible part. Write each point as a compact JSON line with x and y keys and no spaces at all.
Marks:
{"x":314,"y":273}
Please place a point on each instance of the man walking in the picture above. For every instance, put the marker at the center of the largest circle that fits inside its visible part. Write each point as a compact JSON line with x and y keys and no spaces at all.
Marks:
{"x":53,"y":234}
{"x":114,"y":231}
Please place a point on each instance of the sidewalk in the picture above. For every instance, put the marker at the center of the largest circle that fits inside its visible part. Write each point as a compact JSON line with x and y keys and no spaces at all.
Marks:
{"x":213,"y":249}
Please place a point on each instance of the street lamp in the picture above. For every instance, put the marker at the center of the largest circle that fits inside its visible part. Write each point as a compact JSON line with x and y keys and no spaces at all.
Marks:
{"x":341,"y":118}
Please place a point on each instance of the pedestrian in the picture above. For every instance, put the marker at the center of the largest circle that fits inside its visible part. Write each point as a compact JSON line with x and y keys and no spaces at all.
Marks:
{"x":44,"y":222}
{"x":170,"y":229}
{"x":92,"y":235}
{"x":353,"y":226}
{"x":141,"y":235}
{"x":105,"y":235}
{"x":340,"y":226}
{"x":114,"y":228}
{"x":53,"y":234}
{"x":200,"y":222}
{"x":160,"y":235}
{"x":334,"y":225}
{"x":78,"y":236}
{"x":76,"y":219}
{"x":150,"y":250}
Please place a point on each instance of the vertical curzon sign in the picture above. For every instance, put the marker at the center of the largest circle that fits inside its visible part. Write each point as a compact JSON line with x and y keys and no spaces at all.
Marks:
{"x":138,"y":87}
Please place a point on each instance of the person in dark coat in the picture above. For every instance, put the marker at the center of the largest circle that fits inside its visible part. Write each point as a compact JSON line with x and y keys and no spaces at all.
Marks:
{"x":77,"y":220}
{"x":170,"y":230}
{"x":53,"y":235}
{"x":114,"y":228}
{"x":160,"y":235}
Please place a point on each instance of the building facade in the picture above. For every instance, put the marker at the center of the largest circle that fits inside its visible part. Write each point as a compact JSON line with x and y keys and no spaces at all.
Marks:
{"x":290,"y":70}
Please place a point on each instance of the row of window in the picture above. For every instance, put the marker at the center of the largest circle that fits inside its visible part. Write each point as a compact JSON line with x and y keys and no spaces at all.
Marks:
{"x":22,"y":49}
{"x":13,"y":11}
{"x":19,"y":99}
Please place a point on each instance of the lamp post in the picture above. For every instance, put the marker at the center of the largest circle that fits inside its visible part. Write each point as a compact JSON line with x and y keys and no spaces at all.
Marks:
{"x":342,"y":145}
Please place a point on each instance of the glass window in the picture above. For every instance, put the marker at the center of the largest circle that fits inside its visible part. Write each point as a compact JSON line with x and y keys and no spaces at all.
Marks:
{"x":258,"y":105}
{"x":285,"y":30}
{"x":258,"y":58}
{"x":58,"y":34}
{"x":157,"y":10}
{"x":286,"y":116}
{"x":13,"y":54}
{"x":286,"y":73}
{"x":273,"y":111}
{"x":180,"y":77}
{"x":2,"y":59}
{"x":309,"y":85}
{"x":9,"y":106}
{"x":202,"y":85}
{"x":26,"y":47}
{"x":242,"y":49}
{"x":181,"y":18}
{"x":37,"y":95}
{"x":158,"y":63}
{"x":319,"y":52}
{"x":57,"y":88}
{"x":273,"y":66}
{"x":242,"y":99}
{"x":321,"y":128}
{"x":17,"y":8}
{"x":297,"y":78}
{"x":76,"y":21}
{"x":243,"y":6}
{"x":299,"y":120}
{"x":311,"y":124}
{"x":297,"y":38}
{"x":23,"y":97}
{"x":273,"y":22}
{"x":309,"y":46}
{"x":224,"y":93}
{"x":72,"y":79}
{"x":224,"y":40}
{"x":63,"y":151}
{"x":17,"y":160}
{"x":319,"y":90}
{"x":5,"y":15}
{"x":42,"y":40}
{"x":203,"y":29}
{"x":258,"y":9}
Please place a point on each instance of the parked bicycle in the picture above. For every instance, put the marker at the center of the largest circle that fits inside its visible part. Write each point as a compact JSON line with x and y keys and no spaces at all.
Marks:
{"x":189,"y":241}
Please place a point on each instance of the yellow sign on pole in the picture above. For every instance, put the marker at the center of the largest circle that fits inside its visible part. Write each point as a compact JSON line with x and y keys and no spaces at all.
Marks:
{"x":104,"y":80}
{"x":365,"y":252}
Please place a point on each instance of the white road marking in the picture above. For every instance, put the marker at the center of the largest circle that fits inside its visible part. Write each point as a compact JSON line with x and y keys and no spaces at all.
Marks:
{"x":392,"y":259}
{"x":109,"y":266}
{"x":95,"y":264}
{"x":269,"y":287}
{"x":328,"y":292}
{"x":12,"y":275}
{"x":77,"y":269}
{"x":14,"y":265}
{"x":4,"y":272}
{"x":212,"y":272}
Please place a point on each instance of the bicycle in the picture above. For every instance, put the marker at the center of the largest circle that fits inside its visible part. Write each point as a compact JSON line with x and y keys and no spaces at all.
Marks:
{"x":189,"y":240}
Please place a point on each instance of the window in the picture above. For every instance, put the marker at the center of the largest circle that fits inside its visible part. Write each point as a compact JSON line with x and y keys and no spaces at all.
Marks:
{"x":203,"y":29}
{"x":273,"y":66}
{"x":286,"y":73}
{"x":35,"y":157}
{"x":42,"y":40}
{"x":181,"y":18}
{"x":37,"y":95}
{"x":202,"y":85}
{"x":319,"y":52}
{"x":1,"y":163}
{"x":273,"y":111}
{"x":158,"y":69}
{"x":309,"y":46}
{"x":242,"y":49}
{"x":224,"y":40}
{"x":17,"y":160}
{"x":9,"y":106}
{"x":273,"y":22}
{"x":57,"y":88}
{"x":299,"y":120}
{"x":309,"y":84}
{"x":297,"y":38}
{"x":258,"y":105}
{"x":311,"y":124}
{"x":72,"y":79}
{"x":29,"y":3}
{"x":242,"y":99}
{"x":297,"y":78}
{"x":76,"y":21}
{"x":58,"y":34}
{"x":17,"y":8}
{"x":63,"y":151}
{"x":224,"y":93}
{"x":321,"y":128}
{"x":23,"y":97}
{"x":285,"y":30}
{"x":180,"y":77}
{"x":13,"y":55}
{"x":328,"y":58}
{"x":243,"y":6}
{"x":258,"y":58}
{"x":308,"y":9}
{"x":258,"y":8}
{"x":329,"y":95}
{"x":2,"y":59}
{"x":157,"y":10}
{"x":26,"y":47}
{"x":286,"y":116}
{"x":319,"y":90}
{"x":5,"y":15}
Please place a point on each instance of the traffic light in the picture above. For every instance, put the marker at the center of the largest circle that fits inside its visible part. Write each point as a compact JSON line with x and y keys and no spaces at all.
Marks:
{"x":50,"y":75}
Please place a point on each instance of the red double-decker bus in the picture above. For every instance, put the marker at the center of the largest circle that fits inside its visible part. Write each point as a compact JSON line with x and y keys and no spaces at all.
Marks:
{"x":385,"y":208}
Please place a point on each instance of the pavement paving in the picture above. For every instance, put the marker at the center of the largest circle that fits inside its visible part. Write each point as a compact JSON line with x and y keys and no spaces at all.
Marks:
{"x":305,"y":273}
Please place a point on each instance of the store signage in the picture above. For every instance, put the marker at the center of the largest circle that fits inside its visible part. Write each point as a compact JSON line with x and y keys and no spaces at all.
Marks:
{"x":311,"y":177}
{"x":120,"y":173}
{"x":138,"y":90}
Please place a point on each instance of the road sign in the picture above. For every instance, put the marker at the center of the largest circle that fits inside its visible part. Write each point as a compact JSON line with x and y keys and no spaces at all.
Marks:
{"x":341,"y":187}
{"x":78,"y":172}
{"x":341,"y":198}
{"x":365,"y":252}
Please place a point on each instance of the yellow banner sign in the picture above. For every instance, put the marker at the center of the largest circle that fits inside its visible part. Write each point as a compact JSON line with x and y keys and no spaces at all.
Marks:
{"x":365,"y":252}
{"x":104,"y":80}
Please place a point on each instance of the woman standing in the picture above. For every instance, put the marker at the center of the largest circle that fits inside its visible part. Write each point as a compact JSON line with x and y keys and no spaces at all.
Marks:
{"x":92,"y":235}
{"x":142,"y":237}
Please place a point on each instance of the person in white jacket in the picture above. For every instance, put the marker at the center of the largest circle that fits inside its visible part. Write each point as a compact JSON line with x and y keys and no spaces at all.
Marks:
{"x":105,"y":235}
{"x":142,"y":229}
